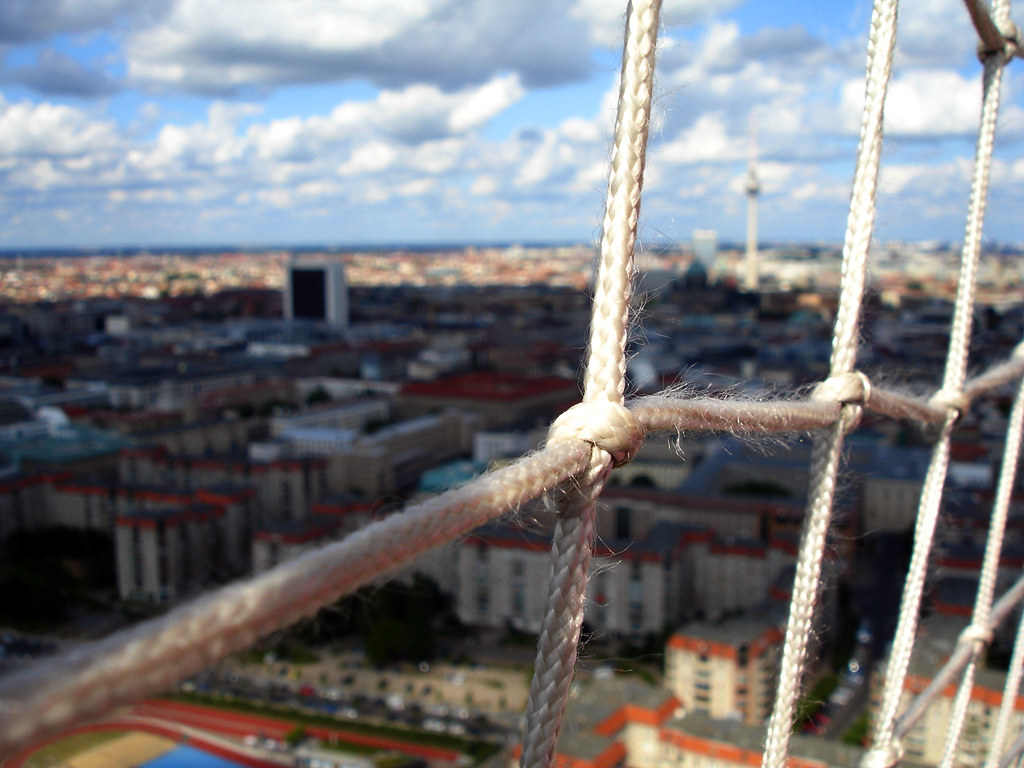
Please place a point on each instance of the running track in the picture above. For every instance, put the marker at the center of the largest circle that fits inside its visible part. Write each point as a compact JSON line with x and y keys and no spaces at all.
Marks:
{"x":176,"y":720}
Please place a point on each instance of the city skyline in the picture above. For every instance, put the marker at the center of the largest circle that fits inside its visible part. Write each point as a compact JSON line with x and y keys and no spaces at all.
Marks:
{"x":142,"y":124}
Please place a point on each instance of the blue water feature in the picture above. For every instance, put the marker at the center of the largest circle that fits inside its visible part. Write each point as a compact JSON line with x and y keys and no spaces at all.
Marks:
{"x":189,"y":757}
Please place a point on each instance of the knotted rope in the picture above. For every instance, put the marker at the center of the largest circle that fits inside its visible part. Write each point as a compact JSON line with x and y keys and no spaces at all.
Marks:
{"x":604,"y":386}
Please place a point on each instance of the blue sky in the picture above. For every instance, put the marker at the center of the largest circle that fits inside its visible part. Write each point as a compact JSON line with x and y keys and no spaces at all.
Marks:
{"x":250,"y":122}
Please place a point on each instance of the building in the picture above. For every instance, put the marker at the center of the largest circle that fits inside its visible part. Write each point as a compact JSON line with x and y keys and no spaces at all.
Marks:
{"x":638,"y":588}
{"x":283,"y":487}
{"x":725,"y":669}
{"x":924,"y":742}
{"x":705,"y":248}
{"x":621,"y":722}
{"x":500,"y":399}
{"x":164,"y":555}
{"x":317,"y":291}
{"x":699,"y":741}
{"x":284,"y":539}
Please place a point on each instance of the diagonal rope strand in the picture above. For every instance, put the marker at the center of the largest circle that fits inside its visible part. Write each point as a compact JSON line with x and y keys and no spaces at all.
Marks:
{"x":152,"y":656}
{"x":576,"y":462}
{"x":1006,"y":604}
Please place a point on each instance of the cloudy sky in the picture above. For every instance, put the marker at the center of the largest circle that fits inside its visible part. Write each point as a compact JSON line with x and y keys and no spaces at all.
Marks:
{"x":155,"y":122}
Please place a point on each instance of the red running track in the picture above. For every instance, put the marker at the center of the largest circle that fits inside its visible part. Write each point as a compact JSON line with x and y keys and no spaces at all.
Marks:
{"x":231,"y":724}
{"x":18,"y":759}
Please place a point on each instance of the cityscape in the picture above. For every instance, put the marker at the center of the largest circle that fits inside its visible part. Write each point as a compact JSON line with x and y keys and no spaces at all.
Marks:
{"x":303,"y":452}
{"x":173,"y":420}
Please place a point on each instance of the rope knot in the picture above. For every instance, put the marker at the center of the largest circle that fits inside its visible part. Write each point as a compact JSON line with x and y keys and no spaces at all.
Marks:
{"x":608,"y":426}
{"x":845,"y":388}
{"x":885,"y":755}
{"x":850,"y":390}
{"x":1011,"y":43}
{"x":976,"y":634}
{"x":956,"y":401}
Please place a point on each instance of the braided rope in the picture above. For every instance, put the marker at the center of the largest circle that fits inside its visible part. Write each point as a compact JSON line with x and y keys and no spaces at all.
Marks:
{"x":132,"y":664}
{"x":951,"y":394}
{"x":827,"y":446}
{"x":156,"y":654}
{"x":576,"y":461}
{"x":604,"y":387}
{"x":987,"y":583}
{"x":1006,"y":708}
{"x":947,"y":674}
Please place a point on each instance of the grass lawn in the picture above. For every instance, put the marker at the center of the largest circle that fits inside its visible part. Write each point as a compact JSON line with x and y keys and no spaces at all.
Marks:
{"x":72,"y":745}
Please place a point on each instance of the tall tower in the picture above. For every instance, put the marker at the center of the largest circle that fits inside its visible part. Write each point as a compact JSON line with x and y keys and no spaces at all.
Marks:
{"x":752,"y":278}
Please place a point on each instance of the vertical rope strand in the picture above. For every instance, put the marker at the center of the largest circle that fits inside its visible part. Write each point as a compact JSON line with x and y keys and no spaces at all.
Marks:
{"x":987,"y":582}
{"x":1004,"y":492}
{"x":1006,"y":709}
{"x":606,"y":368}
{"x":861,"y":218}
{"x":828,"y":446}
{"x":605,"y":380}
{"x":885,"y":747}
{"x":824,"y":464}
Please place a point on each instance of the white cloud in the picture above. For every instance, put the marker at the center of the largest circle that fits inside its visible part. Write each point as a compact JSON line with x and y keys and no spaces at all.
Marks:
{"x":922,"y":102}
{"x":199,"y":45}
{"x":708,"y":140}
{"x":368,"y":158}
{"x":607,"y":20}
{"x":483,"y":103}
{"x":52,"y":130}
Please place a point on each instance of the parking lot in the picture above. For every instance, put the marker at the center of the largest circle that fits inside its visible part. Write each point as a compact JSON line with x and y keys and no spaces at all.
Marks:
{"x":441,"y":697}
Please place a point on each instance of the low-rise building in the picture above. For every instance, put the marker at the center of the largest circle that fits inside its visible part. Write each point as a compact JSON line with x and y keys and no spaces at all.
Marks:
{"x":725,"y":669}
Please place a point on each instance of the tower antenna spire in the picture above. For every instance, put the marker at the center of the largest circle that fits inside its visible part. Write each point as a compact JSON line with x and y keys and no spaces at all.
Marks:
{"x":753,"y":189}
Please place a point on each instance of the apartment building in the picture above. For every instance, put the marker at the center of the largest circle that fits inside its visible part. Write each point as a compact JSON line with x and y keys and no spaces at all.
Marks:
{"x":501,"y":577}
{"x":283,"y":488}
{"x":622,"y":722}
{"x":924,"y":742}
{"x":165,"y":555}
{"x":725,"y":669}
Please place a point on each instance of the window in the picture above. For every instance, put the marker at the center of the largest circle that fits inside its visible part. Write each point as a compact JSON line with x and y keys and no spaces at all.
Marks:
{"x":622,"y":523}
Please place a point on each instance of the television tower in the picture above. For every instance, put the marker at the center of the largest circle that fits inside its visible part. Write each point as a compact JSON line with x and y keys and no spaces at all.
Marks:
{"x":752,"y":281}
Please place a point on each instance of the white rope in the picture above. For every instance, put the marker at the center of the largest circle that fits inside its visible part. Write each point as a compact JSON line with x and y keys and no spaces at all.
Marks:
{"x":583,"y":446}
{"x":843,"y":386}
{"x":959,"y":658}
{"x":952,"y":393}
{"x":980,"y":621}
{"x":604,"y":387}
{"x":986,"y":586}
{"x":149,"y":658}
{"x":218,"y":623}
{"x":1007,"y":708}
{"x":1009,"y":703}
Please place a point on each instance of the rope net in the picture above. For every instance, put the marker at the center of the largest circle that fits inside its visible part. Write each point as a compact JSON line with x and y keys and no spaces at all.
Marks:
{"x":605,"y":431}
